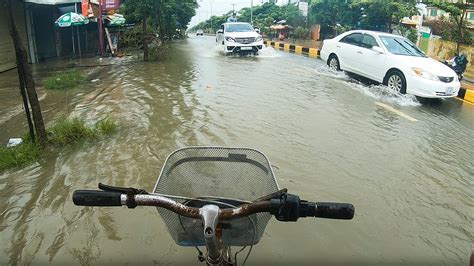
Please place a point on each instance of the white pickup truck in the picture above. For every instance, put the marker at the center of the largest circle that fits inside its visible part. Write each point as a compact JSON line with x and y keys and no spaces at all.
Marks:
{"x":239,"y":37}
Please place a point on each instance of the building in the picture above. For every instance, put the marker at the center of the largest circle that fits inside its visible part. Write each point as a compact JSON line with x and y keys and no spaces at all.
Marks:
{"x":42,"y":40}
{"x":7,"y":51}
{"x":433,"y":13}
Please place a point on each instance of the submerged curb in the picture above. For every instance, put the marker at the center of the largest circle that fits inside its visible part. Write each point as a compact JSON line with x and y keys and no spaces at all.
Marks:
{"x":464,"y":94}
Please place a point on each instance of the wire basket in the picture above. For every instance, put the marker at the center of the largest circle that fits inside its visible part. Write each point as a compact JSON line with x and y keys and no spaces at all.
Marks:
{"x":222,"y":176}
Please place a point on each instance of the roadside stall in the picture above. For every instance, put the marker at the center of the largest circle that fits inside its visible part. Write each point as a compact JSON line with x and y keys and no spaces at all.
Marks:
{"x":72,"y":20}
{"x":281,"y":31}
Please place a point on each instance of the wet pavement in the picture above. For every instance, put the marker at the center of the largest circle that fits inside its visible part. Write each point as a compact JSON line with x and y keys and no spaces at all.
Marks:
{"x":406,"y":166}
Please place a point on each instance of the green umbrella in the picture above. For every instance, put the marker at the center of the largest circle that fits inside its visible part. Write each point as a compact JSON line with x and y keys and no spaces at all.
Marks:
{"x":71,"y":19}
{"x":116,"y":20}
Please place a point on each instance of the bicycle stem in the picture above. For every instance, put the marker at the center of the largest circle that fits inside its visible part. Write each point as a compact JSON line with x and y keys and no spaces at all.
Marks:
{"x":209,"y":215}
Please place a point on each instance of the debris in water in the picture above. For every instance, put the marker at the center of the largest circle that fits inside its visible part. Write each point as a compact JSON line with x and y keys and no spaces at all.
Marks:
{"x":13,"y":142}
{"x":95,"y":80}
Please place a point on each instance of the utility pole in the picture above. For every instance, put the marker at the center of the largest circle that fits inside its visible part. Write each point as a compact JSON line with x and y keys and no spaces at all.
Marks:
{"x":210,"y":1}
{"x":101,"y":33}
{"x":251,"y":12}
{"x":233,"y":8}
{"x":27,"y":83}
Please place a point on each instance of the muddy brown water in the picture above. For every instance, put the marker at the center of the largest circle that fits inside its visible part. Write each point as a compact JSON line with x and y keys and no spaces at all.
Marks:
{"x":411,"y":181}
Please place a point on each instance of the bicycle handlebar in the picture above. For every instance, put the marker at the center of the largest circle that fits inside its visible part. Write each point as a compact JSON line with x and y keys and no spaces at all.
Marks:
{"x":96,"y":198}
{"x":285,"y":208}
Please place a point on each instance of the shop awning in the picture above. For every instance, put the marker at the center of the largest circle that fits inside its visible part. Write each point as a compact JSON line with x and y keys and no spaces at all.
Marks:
{"x":52,"y":2}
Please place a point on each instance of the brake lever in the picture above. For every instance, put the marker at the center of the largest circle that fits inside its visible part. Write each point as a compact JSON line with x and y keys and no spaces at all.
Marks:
{"x":123,"y":190}
{"x":276,"y":194}
{"x":130,"y":191}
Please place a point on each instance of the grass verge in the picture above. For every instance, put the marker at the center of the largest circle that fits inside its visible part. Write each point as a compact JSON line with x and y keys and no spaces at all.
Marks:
{"x":64,"y":81}
{"x":18,"y":156}
{"x":65,"y":132}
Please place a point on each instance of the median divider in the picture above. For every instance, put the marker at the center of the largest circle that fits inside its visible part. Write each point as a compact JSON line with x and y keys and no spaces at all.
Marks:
{"x":466,"y":94}
{"x":291,"y":48}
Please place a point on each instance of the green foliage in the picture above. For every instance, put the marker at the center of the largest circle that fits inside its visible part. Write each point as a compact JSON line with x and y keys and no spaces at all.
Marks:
{"x":68,"y":131}
{"x":455,"y":27}
{"x":408,"y":32}
{"x":64,"y":81}
{"x":164,"y":16}
{"x":264,"y":16}
{"x":334,"y":16}
{"x":106,"y":126}
{"x":301,"y":33}
{"x":378,"y":15}
{"x":23,"y":154}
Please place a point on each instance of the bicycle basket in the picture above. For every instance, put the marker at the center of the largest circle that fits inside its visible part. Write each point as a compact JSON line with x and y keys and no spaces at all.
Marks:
{"x":228,"y":177}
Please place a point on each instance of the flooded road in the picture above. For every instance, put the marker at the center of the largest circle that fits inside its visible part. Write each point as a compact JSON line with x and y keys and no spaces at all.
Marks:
{"x":407,"y":167}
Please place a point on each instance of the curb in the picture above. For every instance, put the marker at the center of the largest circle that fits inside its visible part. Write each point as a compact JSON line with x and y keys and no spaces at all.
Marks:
{"x":464,"y":94}
{"x":297,"y":49}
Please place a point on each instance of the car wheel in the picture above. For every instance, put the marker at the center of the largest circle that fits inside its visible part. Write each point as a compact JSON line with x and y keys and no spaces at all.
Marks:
{"x":395,"y":80}
{"x":333,"y":63}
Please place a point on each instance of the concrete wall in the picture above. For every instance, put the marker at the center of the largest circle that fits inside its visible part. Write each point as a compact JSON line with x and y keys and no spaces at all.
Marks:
{"x":442,"y":50}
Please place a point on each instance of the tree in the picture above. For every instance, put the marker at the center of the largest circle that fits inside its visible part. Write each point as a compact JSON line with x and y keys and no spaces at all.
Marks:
{"x":457,"y":14}
{"x":264,"y":16}
{"x":330,"y":14}
{"x":25,"y":76}
{"x":163,"y":16}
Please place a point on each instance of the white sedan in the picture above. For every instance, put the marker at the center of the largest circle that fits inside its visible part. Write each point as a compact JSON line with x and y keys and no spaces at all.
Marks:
{"x":392,"y":60}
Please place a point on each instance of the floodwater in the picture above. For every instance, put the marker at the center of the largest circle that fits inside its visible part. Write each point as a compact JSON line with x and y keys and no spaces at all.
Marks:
{"x":407,"y":166}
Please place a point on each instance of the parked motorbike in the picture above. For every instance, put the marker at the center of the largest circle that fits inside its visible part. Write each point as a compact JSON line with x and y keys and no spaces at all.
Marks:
{"x":458,"y":64}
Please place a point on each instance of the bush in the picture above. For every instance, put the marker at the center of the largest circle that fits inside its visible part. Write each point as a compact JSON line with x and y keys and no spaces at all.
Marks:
{"x":448,"y":30}
{"x":64,"y":81}
{"x":301,"y":33}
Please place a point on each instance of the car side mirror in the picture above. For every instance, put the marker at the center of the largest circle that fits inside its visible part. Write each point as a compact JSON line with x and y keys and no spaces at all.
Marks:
{"x":220,"y":31}
{"x":378,"y":49}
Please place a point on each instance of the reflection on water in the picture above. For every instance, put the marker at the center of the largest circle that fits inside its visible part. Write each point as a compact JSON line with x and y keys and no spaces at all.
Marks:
{"x":411,"y":182}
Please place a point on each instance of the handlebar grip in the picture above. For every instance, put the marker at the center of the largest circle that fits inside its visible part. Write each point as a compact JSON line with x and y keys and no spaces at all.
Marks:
{"x":96,"y":198}
{"x":332,"y":210}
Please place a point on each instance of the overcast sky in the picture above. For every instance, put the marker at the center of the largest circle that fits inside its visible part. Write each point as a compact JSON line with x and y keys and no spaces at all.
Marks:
{"x":219,"y":7}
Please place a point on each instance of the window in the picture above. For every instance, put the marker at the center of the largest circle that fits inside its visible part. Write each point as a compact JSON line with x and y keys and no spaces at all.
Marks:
{"x":354,"y":39}
{"x":222,"y":27}
{"x":240,"y":27}
{"x":401,"y":46}
{"x":433,"y":12}
{"x":471,"y":16}
{"x":369,"y":41}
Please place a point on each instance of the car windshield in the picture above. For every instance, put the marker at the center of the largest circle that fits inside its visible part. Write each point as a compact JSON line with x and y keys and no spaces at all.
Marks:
{"x":241,"y":27}
{"x":401,"y":46}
